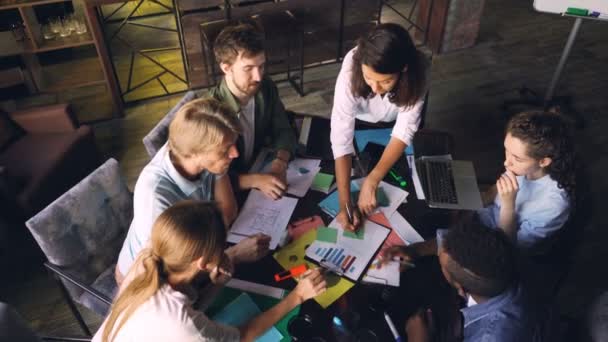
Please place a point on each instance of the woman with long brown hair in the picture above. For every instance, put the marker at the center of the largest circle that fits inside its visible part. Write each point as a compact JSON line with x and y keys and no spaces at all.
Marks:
{"x":156,"y":301}
{"x":383,"y":79}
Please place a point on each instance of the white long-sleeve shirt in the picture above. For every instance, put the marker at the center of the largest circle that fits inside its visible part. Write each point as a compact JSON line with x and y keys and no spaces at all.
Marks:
{"x":347,"y":107}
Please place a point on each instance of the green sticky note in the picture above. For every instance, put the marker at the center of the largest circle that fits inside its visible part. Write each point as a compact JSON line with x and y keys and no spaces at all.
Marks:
{"x":359,"y":234}
{"x":381,"y":198}
{"x":327,"y":234}
{"x":322,"y":181}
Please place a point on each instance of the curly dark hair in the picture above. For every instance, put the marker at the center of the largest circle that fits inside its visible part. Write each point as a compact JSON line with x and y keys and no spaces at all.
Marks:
{"x":243,"y":37}
{"x":388,"y":49}
{"x":548,"y":135}
{"x":484,"y":258}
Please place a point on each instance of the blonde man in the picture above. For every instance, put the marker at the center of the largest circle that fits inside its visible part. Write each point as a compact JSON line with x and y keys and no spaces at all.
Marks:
{"x":191,"y":165}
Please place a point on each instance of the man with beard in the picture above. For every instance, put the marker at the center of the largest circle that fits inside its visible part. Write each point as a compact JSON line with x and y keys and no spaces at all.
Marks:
{"x":239,"y":51}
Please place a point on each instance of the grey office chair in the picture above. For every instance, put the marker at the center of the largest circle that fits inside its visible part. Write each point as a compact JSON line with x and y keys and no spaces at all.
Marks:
{"x":81,"y":234}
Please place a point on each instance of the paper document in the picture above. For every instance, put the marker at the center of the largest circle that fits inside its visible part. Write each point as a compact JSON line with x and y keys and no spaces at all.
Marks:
{"x":395,"y":196}
{"x":404,"y":229}
{"x":240,"y":311}
{"x":300,"y":175}
{"x":300,"y":172}
{"x":387,"y":274}
{"x":261,"y":214}
{"x":293,"y":255}
{"x":260,"y":289}
{"x":351,"y":255}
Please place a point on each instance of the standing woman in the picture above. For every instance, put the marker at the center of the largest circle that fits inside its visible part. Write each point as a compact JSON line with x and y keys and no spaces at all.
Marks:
{"x":158,"y":300}
{"x":383,"y":79}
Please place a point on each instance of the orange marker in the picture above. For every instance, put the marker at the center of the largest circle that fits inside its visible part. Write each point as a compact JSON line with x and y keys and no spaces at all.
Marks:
{"x":292,"y":272}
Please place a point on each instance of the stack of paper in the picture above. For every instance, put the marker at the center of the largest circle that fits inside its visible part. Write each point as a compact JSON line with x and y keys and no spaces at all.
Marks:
{"x":322,"y":182}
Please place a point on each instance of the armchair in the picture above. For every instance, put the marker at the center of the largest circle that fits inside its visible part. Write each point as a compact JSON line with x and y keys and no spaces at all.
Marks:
{"x":81,"y":234}
{"x":50,"y":155}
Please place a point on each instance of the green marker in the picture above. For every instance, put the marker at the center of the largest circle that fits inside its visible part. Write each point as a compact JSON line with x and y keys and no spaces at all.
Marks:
{"x":398,"y":178}
{"x":577,"y":11}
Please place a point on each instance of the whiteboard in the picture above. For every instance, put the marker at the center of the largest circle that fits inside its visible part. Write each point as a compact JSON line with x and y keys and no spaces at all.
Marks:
{"x":560,"y":6}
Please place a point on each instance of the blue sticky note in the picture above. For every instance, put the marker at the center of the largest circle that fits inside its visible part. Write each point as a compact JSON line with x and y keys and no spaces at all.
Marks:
{"x":241,"y":310}
{"x":378,"y":136}
{"x":331,"y":203}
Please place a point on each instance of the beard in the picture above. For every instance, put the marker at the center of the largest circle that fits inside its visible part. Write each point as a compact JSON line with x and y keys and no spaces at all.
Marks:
{"x":249,"y":88}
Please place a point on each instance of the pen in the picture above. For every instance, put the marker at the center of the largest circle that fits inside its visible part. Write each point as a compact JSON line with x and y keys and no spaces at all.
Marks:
{"x":391,"y":326}
{"x":350,"y":215}
{"x":404,"y":262}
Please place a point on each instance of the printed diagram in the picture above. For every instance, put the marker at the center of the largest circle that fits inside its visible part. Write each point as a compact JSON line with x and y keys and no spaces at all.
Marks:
{"x":265,"y":219}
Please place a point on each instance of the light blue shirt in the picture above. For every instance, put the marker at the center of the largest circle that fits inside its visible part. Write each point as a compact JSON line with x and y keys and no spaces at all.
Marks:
{"x":158,"y":187}
{"x":541,"y":209}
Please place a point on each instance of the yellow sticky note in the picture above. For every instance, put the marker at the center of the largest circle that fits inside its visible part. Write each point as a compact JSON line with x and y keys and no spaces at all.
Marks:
{"x":293,"y":255}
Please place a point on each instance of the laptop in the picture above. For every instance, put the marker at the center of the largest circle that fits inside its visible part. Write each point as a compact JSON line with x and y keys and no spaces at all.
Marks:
{"x":449,"y":184}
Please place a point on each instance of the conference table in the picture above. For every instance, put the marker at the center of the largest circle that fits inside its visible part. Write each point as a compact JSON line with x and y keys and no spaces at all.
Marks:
{"x":359,"y":313}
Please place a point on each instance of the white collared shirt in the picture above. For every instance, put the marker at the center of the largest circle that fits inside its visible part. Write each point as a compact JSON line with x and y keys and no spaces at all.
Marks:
{"x":158,"y":187}
{"x":347,"y":107}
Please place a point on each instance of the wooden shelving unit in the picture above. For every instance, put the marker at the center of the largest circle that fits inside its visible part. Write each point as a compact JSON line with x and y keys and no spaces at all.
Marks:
{"x":86,"y":65}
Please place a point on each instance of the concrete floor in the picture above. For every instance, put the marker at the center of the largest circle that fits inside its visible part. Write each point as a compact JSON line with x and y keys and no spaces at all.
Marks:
{"x":516,"y":46}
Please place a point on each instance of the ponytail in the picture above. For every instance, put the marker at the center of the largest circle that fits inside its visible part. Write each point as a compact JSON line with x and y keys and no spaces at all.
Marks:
{"x":139,"y":290}
{"x":183,"y":233}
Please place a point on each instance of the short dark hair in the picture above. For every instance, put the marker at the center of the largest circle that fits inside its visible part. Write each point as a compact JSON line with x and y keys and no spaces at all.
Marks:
{"x":388,"y":49}
{"x":483,"y":258}
{"x":234,"y":39}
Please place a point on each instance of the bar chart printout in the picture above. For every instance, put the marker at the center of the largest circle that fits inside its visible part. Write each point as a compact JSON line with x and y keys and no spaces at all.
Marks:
{"x":349,"y":255}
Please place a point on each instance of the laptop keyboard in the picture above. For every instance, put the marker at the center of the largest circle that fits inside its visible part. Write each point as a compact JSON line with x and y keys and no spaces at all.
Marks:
{"x":442,"y":188}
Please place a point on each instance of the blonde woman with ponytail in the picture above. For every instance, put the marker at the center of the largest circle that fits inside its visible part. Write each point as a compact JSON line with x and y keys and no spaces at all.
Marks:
{"x":191,"y":165}
{"x":156,"y":301}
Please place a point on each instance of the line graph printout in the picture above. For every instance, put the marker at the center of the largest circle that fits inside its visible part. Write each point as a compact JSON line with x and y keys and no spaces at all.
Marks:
{"x":261,"y":214}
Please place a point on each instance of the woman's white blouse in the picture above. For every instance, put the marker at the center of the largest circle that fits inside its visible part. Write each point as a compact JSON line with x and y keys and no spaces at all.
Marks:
{"x":347,"y":107}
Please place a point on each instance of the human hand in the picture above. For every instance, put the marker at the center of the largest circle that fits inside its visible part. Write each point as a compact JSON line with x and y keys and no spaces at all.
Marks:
{"x":278,"y":167}
{"x":367,"y":196}
{"x":488,"y":196}
{"x":250,"y":249}
{"x":507,"y":187}
{"x":344,"y":220}
{"x":311,"y":284}
{"x":419,"y":327}
{"x":271,"y":185}
{"x":405,"y":254}
{"x":222,"y":272}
